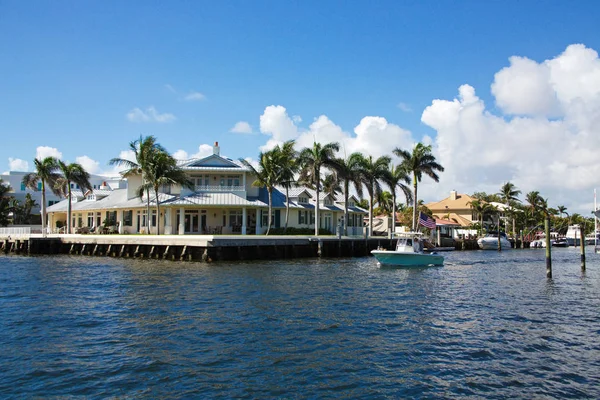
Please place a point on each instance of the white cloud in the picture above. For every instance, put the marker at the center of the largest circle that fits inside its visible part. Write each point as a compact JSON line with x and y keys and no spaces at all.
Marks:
{"x":124,"y":155}
{"x":204,"y":150}
{"x":150,"y":115}
{"x":241,"y":127}
{"x":16,"y":164}
{"x":404,"y":107}
{"x":534,"y":149}
{"x":90,"y":165}
{"x":195,"y":96}
{"x":42,"y":152}
{"x":276,"y":122}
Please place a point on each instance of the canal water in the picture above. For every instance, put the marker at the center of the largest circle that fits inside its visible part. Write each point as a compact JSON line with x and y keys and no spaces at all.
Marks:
{"x":486,"y":325}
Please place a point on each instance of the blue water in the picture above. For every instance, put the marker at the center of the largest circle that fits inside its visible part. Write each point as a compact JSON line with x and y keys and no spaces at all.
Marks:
{"x":486,"y":325}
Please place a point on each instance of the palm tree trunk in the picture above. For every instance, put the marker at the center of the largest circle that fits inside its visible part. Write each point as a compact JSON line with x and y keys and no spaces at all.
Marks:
{"x":270,"y":211}
{"x":287,"y":207}
{"x":346,"y":209}
{"x":414,"y":221}
{"x":371,"y":196}
{"x":393,"y":228}
{"x":147,"y":211}
{"x":43,"y":207}
{"x":69,"y":209}
{"x":157,"y":212}
{"x":318,"y":183}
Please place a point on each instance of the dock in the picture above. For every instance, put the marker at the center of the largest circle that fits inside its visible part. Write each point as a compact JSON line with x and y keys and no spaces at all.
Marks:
{"x":205,"y":248}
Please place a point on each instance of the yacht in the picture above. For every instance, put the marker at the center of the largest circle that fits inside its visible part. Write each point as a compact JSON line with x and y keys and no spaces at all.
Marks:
{"x":490,"y":241}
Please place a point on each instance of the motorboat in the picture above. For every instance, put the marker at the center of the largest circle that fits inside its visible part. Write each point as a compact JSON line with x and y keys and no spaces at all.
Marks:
{"x":490,"y":242}
{"x":408,"y":253}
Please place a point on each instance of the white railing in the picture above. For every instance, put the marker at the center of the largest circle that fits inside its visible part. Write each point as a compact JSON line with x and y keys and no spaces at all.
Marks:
{"x":21,"y":231}
{"x":218,"y":188}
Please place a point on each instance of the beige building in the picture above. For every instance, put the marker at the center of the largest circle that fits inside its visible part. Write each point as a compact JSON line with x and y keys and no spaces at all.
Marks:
{"x":454,"y":208}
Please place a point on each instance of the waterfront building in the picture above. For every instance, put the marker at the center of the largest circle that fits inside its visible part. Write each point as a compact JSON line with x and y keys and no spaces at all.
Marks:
{"x":455,"y":208}
{"x":223,"y":201}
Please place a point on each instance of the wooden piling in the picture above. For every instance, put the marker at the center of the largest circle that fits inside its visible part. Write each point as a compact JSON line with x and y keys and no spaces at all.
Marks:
{"x":548,"y":247}
{"x":582,"y":235}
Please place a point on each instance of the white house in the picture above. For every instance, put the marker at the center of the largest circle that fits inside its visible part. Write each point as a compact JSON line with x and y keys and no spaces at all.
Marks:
{"x":224,"y":201}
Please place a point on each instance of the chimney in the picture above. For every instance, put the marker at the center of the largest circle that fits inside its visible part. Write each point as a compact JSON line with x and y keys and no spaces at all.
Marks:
{"x":216,"y":150}
{"x":453,"y":195}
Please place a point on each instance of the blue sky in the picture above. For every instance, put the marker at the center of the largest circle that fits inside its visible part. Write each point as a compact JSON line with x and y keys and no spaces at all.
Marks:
{"x":71,"y":71}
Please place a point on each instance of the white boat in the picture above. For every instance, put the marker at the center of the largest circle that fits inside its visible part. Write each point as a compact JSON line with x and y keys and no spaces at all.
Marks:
{"x":409,"y":253}
{"x":490,"y":242}
{"x":574,"y":235}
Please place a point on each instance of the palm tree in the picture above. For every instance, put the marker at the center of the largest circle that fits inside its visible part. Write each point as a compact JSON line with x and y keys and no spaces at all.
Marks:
{"x":46,"y":172}
{"x":385,"y":202}
{"x":509,"y":194}
{"x":311,"y":160}
{"x":144,"y":149}
{"x":267,"y":176}
{"x":331,"y":185}
{"x":287,"y":165}
{"x":562,"y":210}
{"x":5,"y":203}
{"x":348,"y":172}
{"x":371,"y":171}
{"x":419,"y":162}
{"x":163,"y":171}
{"x":482,"y":209}
{"x":397,"y":177}
{"x":71,"y":173}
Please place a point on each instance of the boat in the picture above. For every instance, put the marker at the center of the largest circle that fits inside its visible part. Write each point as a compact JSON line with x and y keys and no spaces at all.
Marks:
{"x":574,"y":235}
{"x":490,"y":242}
{"x":408,"y":253}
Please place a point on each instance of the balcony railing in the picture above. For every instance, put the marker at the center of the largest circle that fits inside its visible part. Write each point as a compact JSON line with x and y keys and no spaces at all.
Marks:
{"x":208,"y":188}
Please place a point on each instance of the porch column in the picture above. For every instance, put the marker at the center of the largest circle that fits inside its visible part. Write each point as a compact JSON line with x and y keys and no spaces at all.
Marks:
{"x":244,"y":217}
{"x":120,"y":221}
{"x":168,"y":221}
{"x":199,"y":227}
{"x":258,"y":220}
{"x":181,"y":221}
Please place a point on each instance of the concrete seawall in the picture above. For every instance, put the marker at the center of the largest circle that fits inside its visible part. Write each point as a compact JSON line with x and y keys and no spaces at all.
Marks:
{"x":194,"y":247}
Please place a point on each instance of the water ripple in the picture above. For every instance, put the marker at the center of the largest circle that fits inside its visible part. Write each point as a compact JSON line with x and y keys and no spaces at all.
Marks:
{"x":486,"y":325}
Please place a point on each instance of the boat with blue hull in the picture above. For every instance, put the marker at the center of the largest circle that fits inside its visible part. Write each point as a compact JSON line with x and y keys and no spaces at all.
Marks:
{"x":408,"y":253}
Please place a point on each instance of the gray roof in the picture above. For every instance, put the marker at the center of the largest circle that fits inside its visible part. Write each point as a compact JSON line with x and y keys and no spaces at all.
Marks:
{"x":116,"y":199}
{"x":215,"y":199}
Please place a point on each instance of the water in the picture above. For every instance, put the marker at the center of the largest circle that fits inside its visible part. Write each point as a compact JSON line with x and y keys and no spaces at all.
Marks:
{"x":486,"y":325}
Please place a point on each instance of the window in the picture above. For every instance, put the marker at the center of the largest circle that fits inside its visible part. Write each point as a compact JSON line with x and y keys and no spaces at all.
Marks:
{"x":235,"y":218}
{"x":327,"y":201}
{"x":91,"y":197}
{"x":222,"y":183}
{"x":265,"y":218}
{"x":233,"y":180}
{"x":39,"y":185}
{"x":72,"y":186}
{"x":303,"y":199}
{"x":301,"y":217}
{"x":350,"y":203}
{"x":153,"y":217}
{"x":128,"y":218}
{"x":111,"y":218}
{"x":206,"y":180}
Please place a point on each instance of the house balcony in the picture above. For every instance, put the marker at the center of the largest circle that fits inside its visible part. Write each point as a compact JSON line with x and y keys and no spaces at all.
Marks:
{"x":218,"y":188}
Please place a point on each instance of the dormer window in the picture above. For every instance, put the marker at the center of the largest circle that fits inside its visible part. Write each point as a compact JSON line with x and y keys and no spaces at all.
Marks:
{"x":327,"y":201}
{"x":303,"y":199}
{"x":351,"y":203}
{"x":90,"y":197}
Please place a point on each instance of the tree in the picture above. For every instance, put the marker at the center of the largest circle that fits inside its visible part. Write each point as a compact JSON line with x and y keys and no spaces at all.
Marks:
{"x":311,"y":160}
{"x":371,"y":171}
{"x":331,"y":185}
{"x":287,"y":165}
{"x":267,"y":176}
{"x":419,"y":162}
{"x":395,"y":177}
{"x":509,"y":195}
{"x":71,"y":173}
{"x":163,"y":171}
{"x":5,"y":203}
{"x":46,"y":172}
{"x":482,"y":209}
{"x":348,"y":172}
{"x":143,"y":149}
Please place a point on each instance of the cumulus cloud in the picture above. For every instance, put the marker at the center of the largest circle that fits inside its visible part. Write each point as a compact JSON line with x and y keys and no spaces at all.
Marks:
{"x":42,"y":152}
{"x":195,"y":96}
{"x":90,"y":165}
{"x":276,"y":122}
{"x":204,"y":150}
{"x":150,"y":115}
{"x":241,"y":127}
{"x":16,"y":164}
{"x":545,"y":140}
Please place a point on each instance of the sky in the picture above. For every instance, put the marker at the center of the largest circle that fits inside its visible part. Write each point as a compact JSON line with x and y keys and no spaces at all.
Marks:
{"x":503,"y":91}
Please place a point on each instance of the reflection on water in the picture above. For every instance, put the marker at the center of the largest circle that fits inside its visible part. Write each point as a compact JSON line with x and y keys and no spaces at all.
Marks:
{"x":487,"y":325}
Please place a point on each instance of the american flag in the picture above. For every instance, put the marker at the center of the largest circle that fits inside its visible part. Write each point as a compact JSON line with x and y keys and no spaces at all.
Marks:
{"x":426,"y":221}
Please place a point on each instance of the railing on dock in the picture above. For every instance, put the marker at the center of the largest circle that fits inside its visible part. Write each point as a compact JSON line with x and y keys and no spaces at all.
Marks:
{"x":16,"y":231}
